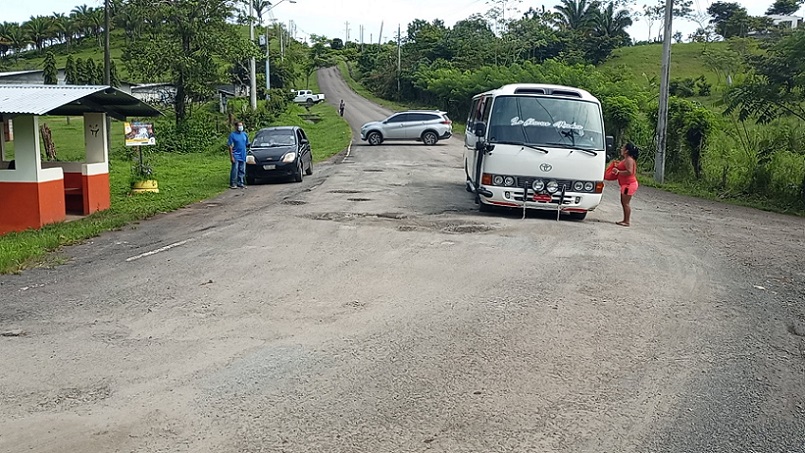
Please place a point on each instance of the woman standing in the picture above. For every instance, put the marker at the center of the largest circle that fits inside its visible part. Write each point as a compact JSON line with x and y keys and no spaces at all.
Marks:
{"x":626,"y":171}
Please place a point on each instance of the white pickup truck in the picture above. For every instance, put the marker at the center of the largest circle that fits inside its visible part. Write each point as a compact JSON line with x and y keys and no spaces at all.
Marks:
{"x":307,"y":97}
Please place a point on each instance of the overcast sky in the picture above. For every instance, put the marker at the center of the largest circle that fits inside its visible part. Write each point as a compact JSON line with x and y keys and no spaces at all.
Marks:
{"x":329,"y":17}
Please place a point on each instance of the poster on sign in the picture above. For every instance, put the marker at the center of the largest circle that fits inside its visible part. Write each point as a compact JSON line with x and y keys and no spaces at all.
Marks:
{"x":139,"y":134}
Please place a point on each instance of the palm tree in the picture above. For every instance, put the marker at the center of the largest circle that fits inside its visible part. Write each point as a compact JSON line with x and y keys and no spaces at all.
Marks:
{"x":5,"y":43}
{"x":611,"y":23}
{"x":18,"y":39}
{"x":95,"y":20}
{"x":576,"y":14}
{"x":39,"y":30}
{"x":80,"y":14}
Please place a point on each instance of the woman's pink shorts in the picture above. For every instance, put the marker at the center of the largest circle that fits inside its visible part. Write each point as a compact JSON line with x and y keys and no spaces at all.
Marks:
{"x":629,"y":189}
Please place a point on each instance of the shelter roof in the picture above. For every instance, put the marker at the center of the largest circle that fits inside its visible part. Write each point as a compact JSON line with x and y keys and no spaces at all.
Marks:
{"x":71,"y":100}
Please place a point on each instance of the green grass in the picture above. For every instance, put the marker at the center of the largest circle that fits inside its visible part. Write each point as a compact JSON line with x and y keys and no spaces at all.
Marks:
{"x":365,"y":93}
{"x":643,"y":62}
{"x":88,"y":48}
{"x":178,"y":187}
{"x":692,"y":189}
{"x":183,"y":179}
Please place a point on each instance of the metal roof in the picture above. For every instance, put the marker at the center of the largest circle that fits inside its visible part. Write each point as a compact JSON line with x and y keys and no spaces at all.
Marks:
{"x":16,"y":73}
{"x":71,"y":100}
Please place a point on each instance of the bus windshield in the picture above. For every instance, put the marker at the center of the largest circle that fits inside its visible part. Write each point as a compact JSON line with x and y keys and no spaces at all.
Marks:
{"x":546,"y":121}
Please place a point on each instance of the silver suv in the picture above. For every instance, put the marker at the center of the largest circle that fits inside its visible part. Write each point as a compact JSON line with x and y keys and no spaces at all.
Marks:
{"x":427,"y":126}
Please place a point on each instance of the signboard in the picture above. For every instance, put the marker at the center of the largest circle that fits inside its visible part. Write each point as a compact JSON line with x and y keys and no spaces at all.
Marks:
{"x":139,"y":134}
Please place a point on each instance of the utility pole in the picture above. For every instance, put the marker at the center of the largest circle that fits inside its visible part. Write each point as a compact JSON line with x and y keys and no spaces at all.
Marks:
{"x":662,"y":124}
{"x":399,"y":59}
{"x":268,"y":67}
{"x":252,"y":61}
{"x":346,"y":34}
{"x":107,"y":66}
{"x":380,"y":36}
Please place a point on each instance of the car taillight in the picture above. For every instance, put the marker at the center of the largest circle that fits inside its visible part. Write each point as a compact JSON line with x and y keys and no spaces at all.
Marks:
{"x":448,"y":122}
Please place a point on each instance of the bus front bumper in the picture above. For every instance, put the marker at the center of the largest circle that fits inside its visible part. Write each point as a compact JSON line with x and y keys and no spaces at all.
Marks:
{"x":512,"y":197}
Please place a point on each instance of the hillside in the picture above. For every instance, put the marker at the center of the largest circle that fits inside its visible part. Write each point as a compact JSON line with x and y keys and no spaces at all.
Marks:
{"x":88,"y":48}
{"x":644,"y":61}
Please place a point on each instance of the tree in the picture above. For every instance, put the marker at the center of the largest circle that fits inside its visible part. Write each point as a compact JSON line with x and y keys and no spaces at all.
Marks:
{"x":91,"y":72}
{"x":722,"y":13}
{"x":337,"y":44}
{"x":51,"y":74}
{"x":612,"y":24}
{"x":576,"y":14}
{"x":38,"y":29}
{"x":188,"y":41}
{"x":785,"y":7}
{"x":70,"y":72}
{"x":777,"y":86}
{"x":114,"y":78}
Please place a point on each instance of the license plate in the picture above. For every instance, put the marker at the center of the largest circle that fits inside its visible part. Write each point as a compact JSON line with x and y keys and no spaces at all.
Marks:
{"x":269,"y":167}
{"x":543,"y":198}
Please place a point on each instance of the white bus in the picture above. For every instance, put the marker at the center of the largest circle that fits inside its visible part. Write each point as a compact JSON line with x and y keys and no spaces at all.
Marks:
{"x":534,"y":146}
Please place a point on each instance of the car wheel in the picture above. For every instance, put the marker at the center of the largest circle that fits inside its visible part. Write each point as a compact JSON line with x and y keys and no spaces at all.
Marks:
{"x":430,"y":138}
{"x":299,"y":173}
{"x":374,"y":138}
{"x":309,"y":170}
{"x":309,"y":102}
{"x":578,"y":215}
{"x":250,"y":180}
{"x":483,"y":207}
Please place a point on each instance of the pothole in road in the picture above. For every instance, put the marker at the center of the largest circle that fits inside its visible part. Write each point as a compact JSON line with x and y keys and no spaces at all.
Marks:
{"x":373,"y":170}
{"x":345,"y":191}
{"x":294,"y":202}
{"x":347,"y":216}
{"x":403,"y":222}
{"x":359,"y":199}
{"x":797,"y":328}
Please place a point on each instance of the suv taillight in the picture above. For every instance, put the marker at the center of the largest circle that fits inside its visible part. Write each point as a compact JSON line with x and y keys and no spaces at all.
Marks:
{"x":448,"y":122}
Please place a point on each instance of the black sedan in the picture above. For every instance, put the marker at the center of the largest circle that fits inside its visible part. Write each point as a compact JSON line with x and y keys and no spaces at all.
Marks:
{"x":279,"y":152}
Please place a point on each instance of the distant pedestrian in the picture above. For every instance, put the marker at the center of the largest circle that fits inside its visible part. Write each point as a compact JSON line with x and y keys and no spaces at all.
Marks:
{"x":626,"y":171}
{"x":341,"y":107}
{"x":238,"y":141}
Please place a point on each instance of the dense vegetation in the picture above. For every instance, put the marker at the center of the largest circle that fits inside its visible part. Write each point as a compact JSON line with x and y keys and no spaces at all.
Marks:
{"x":736,"y":112}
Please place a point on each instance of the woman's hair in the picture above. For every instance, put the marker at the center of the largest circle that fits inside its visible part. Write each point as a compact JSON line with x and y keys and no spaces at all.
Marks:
{"x":632,"y":150}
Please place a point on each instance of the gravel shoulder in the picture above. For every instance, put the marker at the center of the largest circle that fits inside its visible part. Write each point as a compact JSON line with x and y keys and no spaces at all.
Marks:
{"x":372,"y":308}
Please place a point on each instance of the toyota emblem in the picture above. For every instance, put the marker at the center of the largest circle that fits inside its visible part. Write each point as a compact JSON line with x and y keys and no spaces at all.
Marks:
{"x":545,"y":167}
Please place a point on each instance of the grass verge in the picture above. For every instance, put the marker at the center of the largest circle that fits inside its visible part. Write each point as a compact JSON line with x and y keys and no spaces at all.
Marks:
{"x":692,"y":189}
{"x":183,"y":179}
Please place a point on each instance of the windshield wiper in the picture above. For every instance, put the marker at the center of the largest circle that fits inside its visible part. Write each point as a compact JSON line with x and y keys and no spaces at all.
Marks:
{"x":522,"y":144}
{"x":575,"y":148}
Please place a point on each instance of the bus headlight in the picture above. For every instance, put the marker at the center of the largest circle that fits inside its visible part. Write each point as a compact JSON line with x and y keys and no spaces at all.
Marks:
{"x":497,"y":180}
{"x":578,"y":186}
{"x":552,"y":187}
{"x":589,"y":187}
{"x":508,"y":181}
{"x":538,"y":185}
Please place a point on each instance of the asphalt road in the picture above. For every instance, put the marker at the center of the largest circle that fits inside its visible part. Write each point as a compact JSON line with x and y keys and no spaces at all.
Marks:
{"x":371,"y":308}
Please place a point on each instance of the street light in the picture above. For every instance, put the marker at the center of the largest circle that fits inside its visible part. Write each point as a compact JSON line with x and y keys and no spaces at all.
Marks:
{"x":268,"y":65}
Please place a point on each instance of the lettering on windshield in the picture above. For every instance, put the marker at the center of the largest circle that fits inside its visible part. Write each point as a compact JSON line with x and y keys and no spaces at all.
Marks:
{"x":577,"y":128}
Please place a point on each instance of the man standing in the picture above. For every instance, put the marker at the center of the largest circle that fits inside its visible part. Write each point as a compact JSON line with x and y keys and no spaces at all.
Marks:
{"x":341,"y":107}
{"x":238,"y":140}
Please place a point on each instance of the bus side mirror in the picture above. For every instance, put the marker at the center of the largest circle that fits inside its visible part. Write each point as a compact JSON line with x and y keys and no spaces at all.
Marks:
{"x":480,"y":129}
{"x":610,"y":145}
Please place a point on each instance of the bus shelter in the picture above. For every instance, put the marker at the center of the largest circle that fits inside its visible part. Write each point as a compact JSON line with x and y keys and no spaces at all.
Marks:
{"x":35,"y":192}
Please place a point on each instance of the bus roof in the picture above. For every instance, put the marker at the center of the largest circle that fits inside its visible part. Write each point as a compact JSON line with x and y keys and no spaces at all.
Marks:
{"x":541,"y":89}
